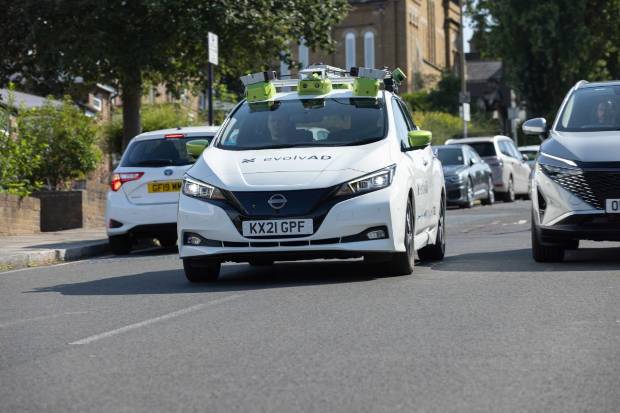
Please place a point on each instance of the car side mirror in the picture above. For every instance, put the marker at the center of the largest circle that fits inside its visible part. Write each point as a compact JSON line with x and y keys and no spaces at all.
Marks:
{"x":525,"y":158}
{"x":419,"y":139}
{"x":536,"y":126}
{"x":195,"y":147}
{"x":472,"y":162}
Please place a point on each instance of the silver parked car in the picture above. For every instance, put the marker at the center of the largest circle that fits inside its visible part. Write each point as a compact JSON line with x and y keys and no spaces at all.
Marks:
{"x":511,"y":173}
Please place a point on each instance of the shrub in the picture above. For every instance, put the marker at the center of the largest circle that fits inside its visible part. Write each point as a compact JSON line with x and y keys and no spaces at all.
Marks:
{"x":446,"y":126}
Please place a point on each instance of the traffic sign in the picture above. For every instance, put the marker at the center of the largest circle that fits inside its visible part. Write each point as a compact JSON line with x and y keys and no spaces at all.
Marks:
{"x":465,"y":112}
{"x":213,"y":48}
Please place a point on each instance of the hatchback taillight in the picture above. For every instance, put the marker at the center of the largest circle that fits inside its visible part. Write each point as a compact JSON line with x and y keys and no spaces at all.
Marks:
{"x":119,"y":179}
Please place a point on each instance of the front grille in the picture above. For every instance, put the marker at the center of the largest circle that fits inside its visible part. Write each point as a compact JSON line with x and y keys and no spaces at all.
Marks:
{"x":592,"y":186}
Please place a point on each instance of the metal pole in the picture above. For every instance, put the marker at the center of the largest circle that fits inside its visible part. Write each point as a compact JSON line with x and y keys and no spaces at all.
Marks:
{"x":462,"y":66}
{"x":210,"y":93}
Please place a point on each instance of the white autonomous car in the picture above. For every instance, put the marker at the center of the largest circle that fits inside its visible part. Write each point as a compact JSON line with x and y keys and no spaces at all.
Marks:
{"x":334,"y":169}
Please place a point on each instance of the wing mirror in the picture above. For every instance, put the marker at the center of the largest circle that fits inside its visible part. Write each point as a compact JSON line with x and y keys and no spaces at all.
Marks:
{"x":536,"y":126}
{"x":195,"y":147}
{"x":525,"y":158}
{"x":419,"y":139}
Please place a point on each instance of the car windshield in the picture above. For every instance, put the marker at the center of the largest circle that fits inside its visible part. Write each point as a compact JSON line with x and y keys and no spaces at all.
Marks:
{"x":160,"y":152}
{"x":305,"y":123}
{"x":531,"y":155}
{"x":451,"y":156}
{"x":592,"y":109}
{"x":483,"y":148}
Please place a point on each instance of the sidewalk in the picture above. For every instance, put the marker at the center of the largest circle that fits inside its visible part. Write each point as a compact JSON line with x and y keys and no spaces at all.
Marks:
{"x":51,"y":247}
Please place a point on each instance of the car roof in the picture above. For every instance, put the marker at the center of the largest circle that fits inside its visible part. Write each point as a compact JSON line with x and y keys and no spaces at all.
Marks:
{"x":477,"y":139}
{"x":586,"y":85}
{"x":188,"y":131}
{"x":530,"y":148}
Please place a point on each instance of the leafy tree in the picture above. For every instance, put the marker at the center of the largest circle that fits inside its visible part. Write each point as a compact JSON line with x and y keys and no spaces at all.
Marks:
{"x":65,"y":142}
{"x":443,"y":98}
{"x":155,"y":40}
{"x":548,"y":45}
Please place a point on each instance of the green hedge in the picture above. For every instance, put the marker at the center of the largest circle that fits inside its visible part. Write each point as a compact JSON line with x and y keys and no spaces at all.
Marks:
{"x":445,"y":126}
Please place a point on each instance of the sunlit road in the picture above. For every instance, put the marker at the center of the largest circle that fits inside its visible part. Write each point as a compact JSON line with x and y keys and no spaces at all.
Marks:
{"x":488,"y":329}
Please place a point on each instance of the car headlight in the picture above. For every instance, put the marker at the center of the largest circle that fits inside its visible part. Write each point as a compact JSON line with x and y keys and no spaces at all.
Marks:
{"x":368,"y":183}
{"x":454,"y":179}
{"x":554,"y":165}
{"x":202,"y":190}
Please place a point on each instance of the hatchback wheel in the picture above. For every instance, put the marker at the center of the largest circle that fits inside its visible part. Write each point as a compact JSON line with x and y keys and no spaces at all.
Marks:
{"x":200,"y":270}
{"x":120,"y":244}
{"x":437,"y":251}
{"x":509,"y":196}
{"x":545,"y":253}
{"x":402,"y":263}
{"x":490,"y":199}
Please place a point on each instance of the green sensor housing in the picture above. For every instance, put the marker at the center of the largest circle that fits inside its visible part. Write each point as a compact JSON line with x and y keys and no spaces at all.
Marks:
{"x":260,"y":91}
{"x":314,"y":85}
{"x":365,"y":86}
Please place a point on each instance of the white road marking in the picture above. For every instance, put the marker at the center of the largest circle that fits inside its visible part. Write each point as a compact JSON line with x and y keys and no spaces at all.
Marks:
{"x":43,"y":317}
{"x":144,"y":323}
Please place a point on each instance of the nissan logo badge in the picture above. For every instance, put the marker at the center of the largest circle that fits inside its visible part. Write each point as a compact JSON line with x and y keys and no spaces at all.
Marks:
{"x":277,"y":201}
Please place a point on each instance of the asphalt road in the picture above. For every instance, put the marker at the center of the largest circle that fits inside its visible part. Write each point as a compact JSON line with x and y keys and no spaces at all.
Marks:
{"x":488,"y":329}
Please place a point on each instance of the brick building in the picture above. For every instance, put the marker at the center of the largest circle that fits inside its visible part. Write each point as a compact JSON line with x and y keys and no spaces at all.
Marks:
{"x":419,"y":36}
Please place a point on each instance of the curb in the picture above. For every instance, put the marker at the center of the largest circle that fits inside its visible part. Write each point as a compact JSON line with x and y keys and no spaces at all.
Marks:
{"x":53,"y":256}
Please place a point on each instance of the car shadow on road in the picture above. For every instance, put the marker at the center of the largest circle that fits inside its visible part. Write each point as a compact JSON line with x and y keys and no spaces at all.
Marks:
{"x":234,"y":277}
{"x":520,"y":260}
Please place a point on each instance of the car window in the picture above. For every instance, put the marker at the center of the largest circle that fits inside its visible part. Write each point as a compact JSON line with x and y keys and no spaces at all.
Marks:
{"x":304,"y":123}
{"x":401,"y":125}
{"x":514,"y":151}
{"x":483,"y":148}
{"x":159,"y":152}
{"x":471,"y":156}
{"x":407,"y":115}
{"x":451,"y":156}
{"x":504,"y":148}
{"x":592,"y":109}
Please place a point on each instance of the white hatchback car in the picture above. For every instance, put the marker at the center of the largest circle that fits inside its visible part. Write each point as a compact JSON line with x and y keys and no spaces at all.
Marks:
{"x":144,"y":190}
{"x":270,"y":189}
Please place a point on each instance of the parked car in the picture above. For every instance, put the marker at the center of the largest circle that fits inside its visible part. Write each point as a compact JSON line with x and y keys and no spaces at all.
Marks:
{"x":268,"y":189}
{"x":468,"y":177}
{"x":144,"y":190}
{"x":576,"y":185}
{"x":511,"y":173}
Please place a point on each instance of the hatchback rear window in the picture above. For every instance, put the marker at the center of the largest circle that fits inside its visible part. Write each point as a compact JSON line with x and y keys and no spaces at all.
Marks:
{"x":483,"y":148}
{"x":160,"y":152}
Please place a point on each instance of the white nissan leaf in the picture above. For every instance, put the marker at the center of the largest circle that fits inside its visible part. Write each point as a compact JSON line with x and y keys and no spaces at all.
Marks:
{"x":270,"y":188}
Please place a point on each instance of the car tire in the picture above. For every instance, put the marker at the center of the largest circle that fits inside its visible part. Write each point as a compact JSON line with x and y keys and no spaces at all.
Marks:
{"x":471,"y":197}
{"x":168,"y":241}
{"x":402,"y":263}
{"x":120,"y":244}
{"x":542,"y":252}
{"x":201,"y":270}
{"x":437,"y":251}
{"x":509,"y":196}
{"x":490,"y":199}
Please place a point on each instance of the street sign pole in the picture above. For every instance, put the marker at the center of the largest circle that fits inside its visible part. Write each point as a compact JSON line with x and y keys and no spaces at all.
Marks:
{"x":464,"y":100}
{"x":213,"y":60}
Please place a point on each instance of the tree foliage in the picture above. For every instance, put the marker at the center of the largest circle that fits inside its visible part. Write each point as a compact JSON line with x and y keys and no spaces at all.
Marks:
{"x":131,"y":42}
{"x":549,"y":45}
{"x":443,"y":98}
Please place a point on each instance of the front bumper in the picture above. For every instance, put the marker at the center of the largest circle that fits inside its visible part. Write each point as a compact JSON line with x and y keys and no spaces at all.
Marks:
{"x":457,"y":193}
{"x":345,"y":219}
{"x":594,"y":227}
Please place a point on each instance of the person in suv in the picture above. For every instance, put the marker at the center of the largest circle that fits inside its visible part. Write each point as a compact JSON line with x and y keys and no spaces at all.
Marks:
{"x":511,"y":173}
{"x":576,"y":184}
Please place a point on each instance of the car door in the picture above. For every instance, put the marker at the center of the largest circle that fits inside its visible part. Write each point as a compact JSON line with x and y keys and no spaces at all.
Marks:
{"x":510,"y":164}
{"x":422,"y":164}
{"x":476,"y":171}
{"x":523,"y":169}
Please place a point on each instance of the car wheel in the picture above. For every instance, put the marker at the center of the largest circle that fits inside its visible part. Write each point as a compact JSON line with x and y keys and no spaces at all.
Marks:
{"x":120,"y":244}
{"x":437,"y":251}
{"x":168,"y":241}
{"x":201,"y":270}
{"x":402,"y":263}
{"x":490,"y":199}
{"x":509,"y":196}
{"x":471,"y":197}
{"x":545,"y":253}
{"x":261,"y":263}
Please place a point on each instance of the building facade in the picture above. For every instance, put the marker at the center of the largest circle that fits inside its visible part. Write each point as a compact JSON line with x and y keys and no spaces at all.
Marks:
{"x":419,"y":36}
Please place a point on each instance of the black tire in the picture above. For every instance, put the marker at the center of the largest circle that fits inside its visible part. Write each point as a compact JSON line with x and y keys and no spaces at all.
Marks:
{"x":490,"y":199}
{"x":120,"y":244}
{"x":201,"y":270}
{"x":261,"y":263}
{"x":471,"y":197}
{"x":437,"y":251}
{"x":510,"y":196}
{"x":402,"y":263}
{"x":542,"y":252}
{"x":168,"y":241}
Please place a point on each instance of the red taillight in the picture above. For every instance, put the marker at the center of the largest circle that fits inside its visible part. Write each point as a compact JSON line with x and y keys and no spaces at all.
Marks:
{"x":119,"y":179}
{"x":174,"y":136}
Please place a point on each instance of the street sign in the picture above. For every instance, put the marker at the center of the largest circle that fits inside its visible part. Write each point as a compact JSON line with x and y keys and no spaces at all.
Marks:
{"x":213,"y":48}
{"x":465,"y":112}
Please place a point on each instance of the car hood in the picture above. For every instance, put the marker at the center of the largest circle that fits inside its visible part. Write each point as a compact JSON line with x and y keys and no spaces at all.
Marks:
{"x":584,"y":146}
{"x":290,"y":168}
{"x":453,"y":169}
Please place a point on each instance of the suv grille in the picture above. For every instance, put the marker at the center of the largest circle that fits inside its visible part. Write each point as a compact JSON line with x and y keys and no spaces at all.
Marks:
{"x":592,"y":186}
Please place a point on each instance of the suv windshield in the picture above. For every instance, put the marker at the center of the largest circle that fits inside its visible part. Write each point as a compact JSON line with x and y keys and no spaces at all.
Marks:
{"x":304,"y":123}
{"x":592,"y":109}
{"x":484,"y":149}
{"x":160,"y":152}
{"x":451,"y":156}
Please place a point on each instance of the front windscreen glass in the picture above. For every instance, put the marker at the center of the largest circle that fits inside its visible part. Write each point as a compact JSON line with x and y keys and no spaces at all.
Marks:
{"x":160,"y":152}
{"x":305,"y":123}
{"x":592,"y":109}
{"x":483,"y":148}
{"x":451,"y":156}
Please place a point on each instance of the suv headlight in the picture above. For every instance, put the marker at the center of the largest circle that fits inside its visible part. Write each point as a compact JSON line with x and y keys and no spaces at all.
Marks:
{"x":368,"y":183}
{"x":202,"y":190}
{"x":554,"y":165}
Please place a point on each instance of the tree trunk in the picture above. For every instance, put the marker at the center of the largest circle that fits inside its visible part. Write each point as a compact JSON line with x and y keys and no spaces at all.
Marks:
{"x":131,"y":93}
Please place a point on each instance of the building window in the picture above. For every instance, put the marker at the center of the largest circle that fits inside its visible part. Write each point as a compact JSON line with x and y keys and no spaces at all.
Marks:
{"x":97,"y":104}
{"x":304,"y":58}
{"x":432,"y":28}
{"x":369,"y":49}
{"x":349,"y":50}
